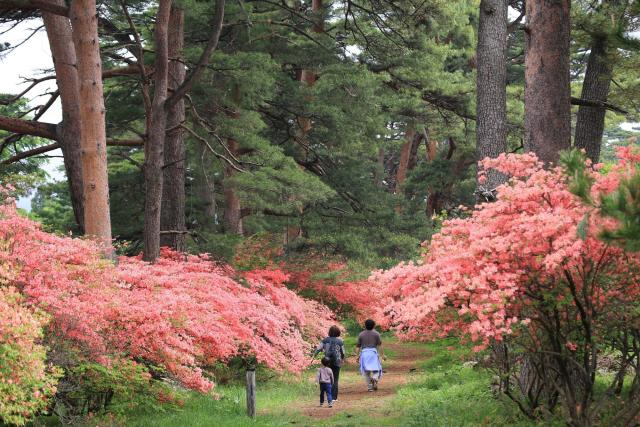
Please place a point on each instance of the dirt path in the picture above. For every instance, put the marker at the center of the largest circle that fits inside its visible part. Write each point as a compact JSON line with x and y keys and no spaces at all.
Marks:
{"x":354,"y":397}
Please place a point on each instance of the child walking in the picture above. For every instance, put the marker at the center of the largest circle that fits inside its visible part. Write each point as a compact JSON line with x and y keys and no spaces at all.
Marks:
{"x":325,"y":379}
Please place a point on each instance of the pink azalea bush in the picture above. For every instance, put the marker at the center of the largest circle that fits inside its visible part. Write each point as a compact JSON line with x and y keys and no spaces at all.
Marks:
{"x":181,"y":314}
{"x":479,"y":274}
{"x":529,"y":269}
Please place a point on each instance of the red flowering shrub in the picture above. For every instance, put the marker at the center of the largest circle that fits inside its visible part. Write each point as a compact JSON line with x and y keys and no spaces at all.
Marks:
{"x":181,"y":314}
{"x":324,"y":278}
{"x":530,"y":269}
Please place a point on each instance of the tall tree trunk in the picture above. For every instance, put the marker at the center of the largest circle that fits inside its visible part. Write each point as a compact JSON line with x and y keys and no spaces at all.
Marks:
{"x":597,"y":79}
{"x":405,"y":156}
{"x":154,"y":148}
{"x":97,"y":220}
{"x":547,"y":95}
{"x":64,"y":61}
{"x":491,"y":124}
{"x":162,"y":103}
{"x":408,"y":160}
{"x":173,"y":197}
{"x":232,"y":208}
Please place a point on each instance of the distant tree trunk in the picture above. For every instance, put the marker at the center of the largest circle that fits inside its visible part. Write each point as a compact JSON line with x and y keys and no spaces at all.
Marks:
{"x":432,"y":147}
{"x":173,"y":197}
{"x":597,"y":79}
{"x":97,"y":221}
{"x":64,"y":61}
{"x":154,"y":148}
{"x":433,"y":195}
{"x":405,"y":156}
{"x":293,"y":231}
{"x":547,"y":96}
{"x":491,"y":124}
{"x":232,"y":208}
{"x":205,"y":185}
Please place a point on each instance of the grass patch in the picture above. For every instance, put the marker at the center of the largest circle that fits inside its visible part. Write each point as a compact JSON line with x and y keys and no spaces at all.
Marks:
{"x":449,"y":393}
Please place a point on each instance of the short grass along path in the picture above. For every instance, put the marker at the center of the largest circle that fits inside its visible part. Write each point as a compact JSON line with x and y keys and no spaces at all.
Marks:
{"x":423,"y":385}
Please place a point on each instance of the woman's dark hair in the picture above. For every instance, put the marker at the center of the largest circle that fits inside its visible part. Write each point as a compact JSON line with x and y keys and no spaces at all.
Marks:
{"x":325,"y":361}
{"x":334,"y":331}
{"x":369,"y":324}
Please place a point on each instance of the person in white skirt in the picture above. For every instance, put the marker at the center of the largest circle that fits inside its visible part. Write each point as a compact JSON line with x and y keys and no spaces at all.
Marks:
{"x":370,"y":354}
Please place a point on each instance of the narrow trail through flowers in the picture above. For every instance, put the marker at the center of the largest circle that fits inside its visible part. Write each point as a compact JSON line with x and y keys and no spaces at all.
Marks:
{"x":401,"y":366}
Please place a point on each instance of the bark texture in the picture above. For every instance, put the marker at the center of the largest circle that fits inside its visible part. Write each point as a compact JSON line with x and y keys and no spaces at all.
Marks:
{"x":173,"y":197}
{"x":232,"y":207}
{"x":408,"y":159}
{"x":97,"y":220}
{"x":162,"y":103}
{"x":29,"y":127}
{"x":547,"y":94}
{"x":64,"y":61}
{"x":491,"y":129}
{"x":154,"y":148}
{"x":597,"y":80}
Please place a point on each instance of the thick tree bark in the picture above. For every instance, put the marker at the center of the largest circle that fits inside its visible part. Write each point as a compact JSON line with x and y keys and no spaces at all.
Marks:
{"x":52,"y":7}
{"x":154,"y":148}
{"x":491,"y":123}
{"x":29,"y":127}
{"x":232,"y":207}
{"x":162,"y":103}
{"x":173,"y":196}
{"x":547,"y":95}
{"x":212,"y":44}
{"x":97,"y":220}
{"x":597,"y":79}
{"x":64,"y":61}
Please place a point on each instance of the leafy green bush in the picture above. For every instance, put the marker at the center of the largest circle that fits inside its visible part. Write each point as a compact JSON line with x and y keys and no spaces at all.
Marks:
{"x":91,"y":388}
{"x":26,"y":382}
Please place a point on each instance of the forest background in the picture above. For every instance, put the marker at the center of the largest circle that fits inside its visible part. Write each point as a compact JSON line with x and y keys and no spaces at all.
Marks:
{"x":303,"y":146}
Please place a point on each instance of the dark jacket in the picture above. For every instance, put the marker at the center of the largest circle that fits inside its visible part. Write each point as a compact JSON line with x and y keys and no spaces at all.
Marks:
{"x":326,"y":344}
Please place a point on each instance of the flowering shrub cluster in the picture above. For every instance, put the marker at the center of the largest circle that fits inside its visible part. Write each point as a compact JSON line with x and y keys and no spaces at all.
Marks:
{"x":480,"y":273}
{"x":328,"y":279}
{"x":528,"y":268}
{"x":26,"y":382}
{"x":180,"y":314}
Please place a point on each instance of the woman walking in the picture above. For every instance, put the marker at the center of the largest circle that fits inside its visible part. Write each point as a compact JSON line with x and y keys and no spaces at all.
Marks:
{"x":333,"y":349}
{"x":369,"y":342}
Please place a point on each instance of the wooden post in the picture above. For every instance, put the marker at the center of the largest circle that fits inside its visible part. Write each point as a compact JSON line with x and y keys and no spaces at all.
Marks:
{"x":251,"y":392}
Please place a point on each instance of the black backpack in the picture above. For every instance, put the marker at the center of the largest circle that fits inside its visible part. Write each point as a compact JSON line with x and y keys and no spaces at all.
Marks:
{"x":332,"y":351}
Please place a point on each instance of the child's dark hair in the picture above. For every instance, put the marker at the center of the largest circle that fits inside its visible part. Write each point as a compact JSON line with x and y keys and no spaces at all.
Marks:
{"x":334,"y":331}
{"x":325,"y":361}
{"x":369,"y":324}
